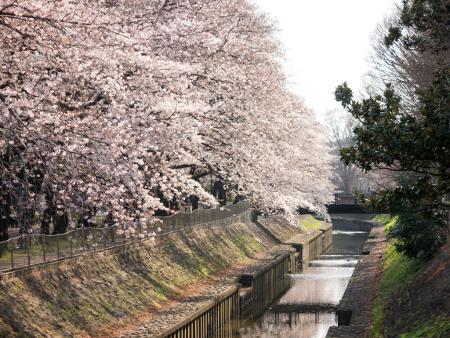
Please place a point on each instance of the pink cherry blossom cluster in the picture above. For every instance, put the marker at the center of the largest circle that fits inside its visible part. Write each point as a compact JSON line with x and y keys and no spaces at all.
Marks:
{"x":111,"y":104}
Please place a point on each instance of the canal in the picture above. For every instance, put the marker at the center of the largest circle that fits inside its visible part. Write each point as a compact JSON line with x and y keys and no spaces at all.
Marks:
{"x":304,"y":303}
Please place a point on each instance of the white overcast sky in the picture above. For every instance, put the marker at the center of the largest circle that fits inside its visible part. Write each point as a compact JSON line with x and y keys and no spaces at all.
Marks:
{"x":326,"y":43}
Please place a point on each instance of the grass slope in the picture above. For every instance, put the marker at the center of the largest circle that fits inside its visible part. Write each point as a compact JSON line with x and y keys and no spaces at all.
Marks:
{"x":66,"y":301}
{"x":412,"y":295}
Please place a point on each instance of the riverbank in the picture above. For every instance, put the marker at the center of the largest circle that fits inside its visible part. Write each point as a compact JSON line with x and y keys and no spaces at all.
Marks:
{"x":392,"y":296}
{"x":92,"y":296}
{"x":412,"y":295}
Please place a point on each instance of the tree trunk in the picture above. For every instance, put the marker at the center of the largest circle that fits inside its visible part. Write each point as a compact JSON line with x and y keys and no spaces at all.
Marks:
{"x":4,"y":225}
{"x":61,"y":222}
{"x":220,"y":193}
{"x":46,"y":220}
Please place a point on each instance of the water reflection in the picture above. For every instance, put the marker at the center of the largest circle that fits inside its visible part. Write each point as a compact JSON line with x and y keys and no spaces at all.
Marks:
{"x":290,"y":325}
{"x":307,"y":308}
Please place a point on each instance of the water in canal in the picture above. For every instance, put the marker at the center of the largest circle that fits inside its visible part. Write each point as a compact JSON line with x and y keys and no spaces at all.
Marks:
{"x":306,"y":300}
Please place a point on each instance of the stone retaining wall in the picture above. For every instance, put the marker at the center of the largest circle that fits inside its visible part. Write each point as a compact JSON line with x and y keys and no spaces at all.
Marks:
{"x":355,"y":308}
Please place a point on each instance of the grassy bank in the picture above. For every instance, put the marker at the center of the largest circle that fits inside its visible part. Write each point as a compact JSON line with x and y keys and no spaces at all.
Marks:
{"x":308,"y":222}
{"x":398,"y":311}
{"x":70,"y":300}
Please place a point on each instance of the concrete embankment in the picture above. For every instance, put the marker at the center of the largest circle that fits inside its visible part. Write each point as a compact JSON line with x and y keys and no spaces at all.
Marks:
{"x":355,"y":308}
{"x":79,"y":298}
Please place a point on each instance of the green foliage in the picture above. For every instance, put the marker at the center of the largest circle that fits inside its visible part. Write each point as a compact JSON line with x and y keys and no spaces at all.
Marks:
{"x":416,"y":237}
{"x":377,"y":319}
{"x":343,"y":94}
{"x":416,"y":146}
{"x":394,"y":35}
{"x":386,"y":219}
{"x":310,"y":223}
{"x":398,"y":271}
{"x":413,"y":236}
{"x":385,"y":139}
{"x":423,"y":25}
{"x":438,"y":327}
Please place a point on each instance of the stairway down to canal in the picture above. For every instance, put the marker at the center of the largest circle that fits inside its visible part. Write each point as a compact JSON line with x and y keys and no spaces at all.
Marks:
{"x":307,"y":299}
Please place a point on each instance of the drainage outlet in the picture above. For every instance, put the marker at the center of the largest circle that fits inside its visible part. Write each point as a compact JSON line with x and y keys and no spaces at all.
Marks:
{"x":344,"y":317}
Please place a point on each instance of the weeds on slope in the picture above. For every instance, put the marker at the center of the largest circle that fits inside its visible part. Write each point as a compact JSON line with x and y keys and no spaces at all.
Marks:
{"x":397,"y":271}
{"x":401,"y":308}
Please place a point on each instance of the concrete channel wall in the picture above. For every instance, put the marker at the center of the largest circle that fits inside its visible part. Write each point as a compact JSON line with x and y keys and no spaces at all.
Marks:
{"x":254,"y":283}
{"x":314,"y":243}
{"x":352,"y":224}
{"x":317,"y":245}
{"x":206,"y":321}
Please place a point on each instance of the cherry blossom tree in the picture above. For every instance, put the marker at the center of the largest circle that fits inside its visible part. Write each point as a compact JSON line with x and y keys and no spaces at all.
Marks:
{"x":105,"y":104}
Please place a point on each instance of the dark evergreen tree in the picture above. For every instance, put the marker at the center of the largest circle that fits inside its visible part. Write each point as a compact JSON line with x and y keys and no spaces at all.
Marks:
{"x":416,"y":146}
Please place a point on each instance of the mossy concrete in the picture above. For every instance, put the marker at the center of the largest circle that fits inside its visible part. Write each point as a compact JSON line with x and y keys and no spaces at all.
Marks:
{"x":76,"y":297}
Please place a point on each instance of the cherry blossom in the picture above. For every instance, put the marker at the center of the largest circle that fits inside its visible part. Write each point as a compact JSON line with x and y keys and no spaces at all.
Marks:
{"x":105,"y":104}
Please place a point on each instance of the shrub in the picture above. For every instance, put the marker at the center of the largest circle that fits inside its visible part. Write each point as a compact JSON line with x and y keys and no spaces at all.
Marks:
{"x":417,"y":237}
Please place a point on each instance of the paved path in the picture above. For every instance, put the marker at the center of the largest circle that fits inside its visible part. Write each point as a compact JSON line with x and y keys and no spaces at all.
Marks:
{"x":361,"y":291}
